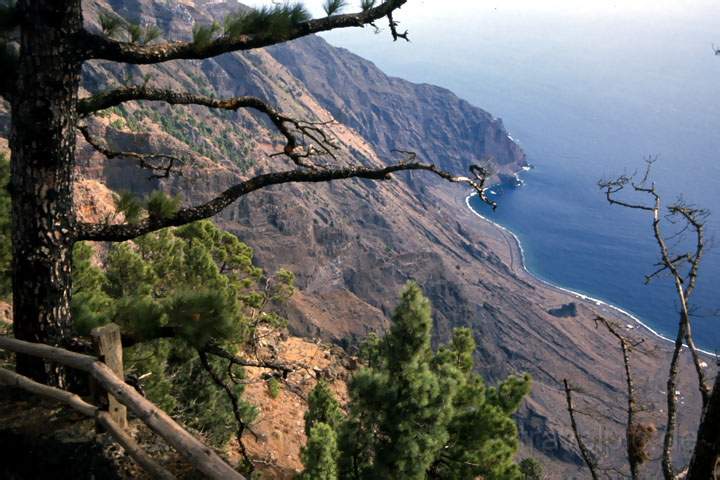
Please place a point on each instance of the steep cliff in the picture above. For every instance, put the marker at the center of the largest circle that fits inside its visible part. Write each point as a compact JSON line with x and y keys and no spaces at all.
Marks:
{"x":392,"y":113}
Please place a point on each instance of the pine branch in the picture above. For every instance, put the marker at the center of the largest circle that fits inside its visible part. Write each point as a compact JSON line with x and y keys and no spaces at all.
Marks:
{"x":218,"y":351}
{"x":122,"y":232}
{"x":91,"y":45}
{"x":274,"y":20}
{"x":111,"y":23}
{"x":203,"y":35}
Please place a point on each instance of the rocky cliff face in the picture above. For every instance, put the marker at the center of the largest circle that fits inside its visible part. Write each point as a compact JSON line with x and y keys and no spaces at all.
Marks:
{"x":354,"y":244}
{"x":392,"y":113}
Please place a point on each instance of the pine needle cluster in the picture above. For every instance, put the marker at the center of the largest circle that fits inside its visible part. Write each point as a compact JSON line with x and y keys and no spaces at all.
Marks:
{"x":157,"y":205}
{"x":274,"y":21}
{"x":333,"y":7}
{"x":114,"y":26}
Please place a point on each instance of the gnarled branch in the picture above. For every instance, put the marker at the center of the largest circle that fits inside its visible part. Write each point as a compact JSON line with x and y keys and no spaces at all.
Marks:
{"x":122,"y":232}
{"x":91,"y":45}
{"x":584,"y":451}
{"x":145,"y":160}
{"x":289,"y":127}
{"x":635,"y":441}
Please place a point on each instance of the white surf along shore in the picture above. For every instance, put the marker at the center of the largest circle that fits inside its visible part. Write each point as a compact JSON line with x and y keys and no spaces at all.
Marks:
{"x":581,"y":296}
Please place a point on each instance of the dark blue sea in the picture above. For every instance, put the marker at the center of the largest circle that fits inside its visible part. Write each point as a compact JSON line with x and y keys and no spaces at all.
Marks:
{"x":589,"y":90}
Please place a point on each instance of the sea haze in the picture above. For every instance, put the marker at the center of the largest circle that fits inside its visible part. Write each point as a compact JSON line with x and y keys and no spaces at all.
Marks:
{"x":589,"y":91}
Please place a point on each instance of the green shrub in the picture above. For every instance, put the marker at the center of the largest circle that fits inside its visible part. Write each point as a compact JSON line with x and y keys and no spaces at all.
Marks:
{"x":273,"y":387}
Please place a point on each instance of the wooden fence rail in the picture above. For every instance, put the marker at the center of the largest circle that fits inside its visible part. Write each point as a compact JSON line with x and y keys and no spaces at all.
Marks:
{"x":12,"y":379}
{"x":199,"y":455}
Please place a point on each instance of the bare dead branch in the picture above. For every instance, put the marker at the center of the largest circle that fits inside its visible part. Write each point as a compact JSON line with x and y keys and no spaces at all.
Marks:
{"x":290,"y":128}
{"x":684,"y":286}
{"x":636,"y":434}
{"x":664,"y":267}
{"x":122,"y":232}
{"x":584,"y":451}
{"x":145,"y":160}
{"x":393,"y":29}
{"x":91,"y":45}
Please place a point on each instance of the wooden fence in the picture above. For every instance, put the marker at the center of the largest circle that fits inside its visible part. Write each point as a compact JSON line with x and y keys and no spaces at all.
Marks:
{"x":106,"y":371}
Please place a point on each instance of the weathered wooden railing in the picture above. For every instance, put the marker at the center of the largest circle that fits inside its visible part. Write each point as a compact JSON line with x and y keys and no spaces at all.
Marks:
{"x":107,"y":372}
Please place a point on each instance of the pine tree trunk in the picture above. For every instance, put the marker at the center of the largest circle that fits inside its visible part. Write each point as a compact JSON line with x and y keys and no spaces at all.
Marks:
{"x":706,"y":457}
{"x":43,"y":149}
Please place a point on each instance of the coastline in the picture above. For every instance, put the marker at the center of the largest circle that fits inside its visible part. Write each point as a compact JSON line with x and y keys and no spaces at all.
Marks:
{"x":517,"y":245}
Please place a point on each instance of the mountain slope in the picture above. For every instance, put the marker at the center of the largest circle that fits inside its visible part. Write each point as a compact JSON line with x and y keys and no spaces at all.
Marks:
{"x":392,"y":113}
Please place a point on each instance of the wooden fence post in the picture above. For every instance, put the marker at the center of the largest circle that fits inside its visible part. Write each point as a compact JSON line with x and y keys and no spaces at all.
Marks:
{"x":107,"y":343}
{"x":199,"y":455}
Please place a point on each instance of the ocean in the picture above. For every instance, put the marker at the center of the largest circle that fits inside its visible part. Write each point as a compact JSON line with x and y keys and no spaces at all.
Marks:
{"x":589,"y":91}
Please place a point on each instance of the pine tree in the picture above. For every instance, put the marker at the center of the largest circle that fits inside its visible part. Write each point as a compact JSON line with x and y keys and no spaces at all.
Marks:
{"x":416,"y":414}
{"x":320,"y":454}
{"x":414,"y":400}
{"x":322,"y":408}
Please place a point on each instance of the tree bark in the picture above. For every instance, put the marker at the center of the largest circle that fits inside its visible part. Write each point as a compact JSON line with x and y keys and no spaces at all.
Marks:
{"x":44,"y":115}
{"x":706,"y":457}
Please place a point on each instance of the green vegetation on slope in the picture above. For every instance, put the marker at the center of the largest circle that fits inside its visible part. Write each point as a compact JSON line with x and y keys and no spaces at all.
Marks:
{"x":174,"y":292}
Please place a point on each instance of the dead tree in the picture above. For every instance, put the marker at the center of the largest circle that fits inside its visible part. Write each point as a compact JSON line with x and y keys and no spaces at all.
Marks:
{"x":683,"y":269}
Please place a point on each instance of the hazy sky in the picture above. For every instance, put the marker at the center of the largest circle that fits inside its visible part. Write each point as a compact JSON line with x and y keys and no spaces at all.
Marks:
{"x":419,"y":9}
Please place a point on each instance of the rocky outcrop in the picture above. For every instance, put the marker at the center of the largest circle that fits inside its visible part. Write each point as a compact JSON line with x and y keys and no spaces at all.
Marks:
{"x":566,"y":310}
